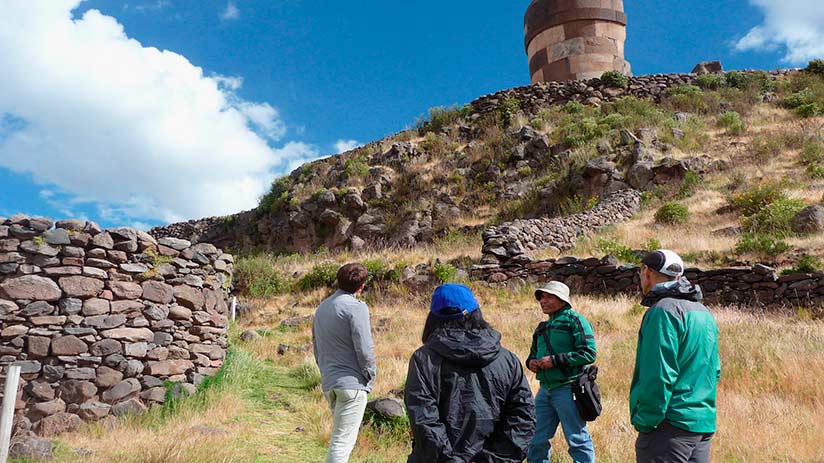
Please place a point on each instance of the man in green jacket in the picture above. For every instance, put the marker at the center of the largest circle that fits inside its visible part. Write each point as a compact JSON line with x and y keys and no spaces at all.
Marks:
{"x":561,"y":346}
{"x":672,"y":397}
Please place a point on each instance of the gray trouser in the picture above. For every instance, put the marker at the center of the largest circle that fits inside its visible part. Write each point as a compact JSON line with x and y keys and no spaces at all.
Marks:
{"x":668,"y":444}
{"x":347,"y":407}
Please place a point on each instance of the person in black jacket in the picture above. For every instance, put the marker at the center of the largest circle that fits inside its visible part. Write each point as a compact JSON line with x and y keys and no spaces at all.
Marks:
{"x":467,"y":397}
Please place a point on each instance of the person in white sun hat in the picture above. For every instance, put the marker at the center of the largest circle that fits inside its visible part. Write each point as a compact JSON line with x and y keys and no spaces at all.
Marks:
{"x":561,"y":347}
{"x":672,"y":396}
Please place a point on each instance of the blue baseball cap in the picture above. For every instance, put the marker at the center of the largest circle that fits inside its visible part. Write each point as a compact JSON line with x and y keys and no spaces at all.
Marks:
{"x":452,"y":301}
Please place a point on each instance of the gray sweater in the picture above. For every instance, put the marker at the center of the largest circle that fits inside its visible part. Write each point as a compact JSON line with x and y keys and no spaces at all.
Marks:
{"x":342,"y":341}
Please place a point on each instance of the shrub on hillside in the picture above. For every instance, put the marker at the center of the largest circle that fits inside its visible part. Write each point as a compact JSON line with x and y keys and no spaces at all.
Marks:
{"x":755,"y":198}
{"x":276,"y":197}
{"x":731,"y":121}
{"x":444,"y":272}
{"x":636,"y":112}
{"x":806,"y":264}
{"x":761,"y":244}
{"x":321,"y":275}
{"x":711,"y":81}
{"x":815,"y":170}
{"x":614,"y":248}
{"x":800,"y":98}
{"x":775,"y":218}
{"x":672,"y":213}
{"x":615,"y":79}
{"x":508,"y":109}
{"x":690,"y":185}
{"x":816,"y":66}
{"x":809,"y":110}
{"x":812,"y":151}
{"x":257,"y":277}
{"x":689,"y":98}
{"x":583,"y":131}
{"x":355,"y":167}
{"x":683,"y":90}
{"x":440,"y":117}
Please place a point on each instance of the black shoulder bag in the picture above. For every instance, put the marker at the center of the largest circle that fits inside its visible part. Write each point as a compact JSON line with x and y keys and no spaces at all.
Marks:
{"x":585,"y":390}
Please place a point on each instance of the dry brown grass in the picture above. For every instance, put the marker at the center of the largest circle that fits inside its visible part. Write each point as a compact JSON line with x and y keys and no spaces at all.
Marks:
{"x":770,"y":402}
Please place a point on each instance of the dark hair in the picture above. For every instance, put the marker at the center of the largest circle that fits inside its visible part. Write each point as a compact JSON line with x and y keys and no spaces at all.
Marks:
{"x":472,"y":321}
{"x":352,"y":276}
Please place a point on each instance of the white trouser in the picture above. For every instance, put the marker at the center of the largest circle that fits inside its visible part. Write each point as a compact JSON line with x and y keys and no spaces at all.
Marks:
{"x":347,"y":408}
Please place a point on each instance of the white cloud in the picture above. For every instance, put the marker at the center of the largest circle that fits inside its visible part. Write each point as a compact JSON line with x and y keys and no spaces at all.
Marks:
{"x":793,"y":26}
{"x":152,"y":6}
{"x":346,"y":145}
{"x":139,"y":132}
{"x":231,"y":12}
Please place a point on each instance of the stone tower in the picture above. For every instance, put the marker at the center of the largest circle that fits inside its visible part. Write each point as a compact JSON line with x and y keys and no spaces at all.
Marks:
{"x":575,"y":39}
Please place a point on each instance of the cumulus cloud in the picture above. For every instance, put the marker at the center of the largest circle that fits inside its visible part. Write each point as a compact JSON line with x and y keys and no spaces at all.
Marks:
{"x":346,"y":145}
{"x":141,"y":133}
{"x":792,"y":26}
{"x":231,"y":12}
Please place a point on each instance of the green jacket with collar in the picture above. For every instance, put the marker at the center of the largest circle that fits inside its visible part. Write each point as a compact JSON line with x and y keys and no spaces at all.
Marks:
{"x":677,"y":366}
{"x":571,"y":345}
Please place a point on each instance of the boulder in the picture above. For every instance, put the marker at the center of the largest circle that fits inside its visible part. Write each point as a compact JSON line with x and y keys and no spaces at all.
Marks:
{"x":30,"y":448}
{"x":809,"y":220}
{"x":708,"y":67}
{"x":387,"y":408}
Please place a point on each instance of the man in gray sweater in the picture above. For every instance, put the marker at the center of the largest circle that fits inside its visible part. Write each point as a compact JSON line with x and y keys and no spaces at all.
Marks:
{"x":342,"y":340}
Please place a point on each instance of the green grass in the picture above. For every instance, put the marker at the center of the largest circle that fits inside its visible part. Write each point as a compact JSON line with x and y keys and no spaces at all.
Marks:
{"x":259,"y":277}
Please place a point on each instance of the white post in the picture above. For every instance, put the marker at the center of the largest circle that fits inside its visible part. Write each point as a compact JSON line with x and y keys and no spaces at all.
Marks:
{"x":234,"y":310}
{"x":7,"y":418}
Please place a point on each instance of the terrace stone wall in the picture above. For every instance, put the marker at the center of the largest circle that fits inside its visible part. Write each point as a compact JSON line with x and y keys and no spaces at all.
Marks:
{"x":755,"y":286}
{"x":101,"y":321}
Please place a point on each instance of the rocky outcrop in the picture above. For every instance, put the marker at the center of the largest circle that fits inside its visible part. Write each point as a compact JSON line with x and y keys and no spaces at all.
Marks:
{"x":99,"y":320}
{"x":376,"y":195}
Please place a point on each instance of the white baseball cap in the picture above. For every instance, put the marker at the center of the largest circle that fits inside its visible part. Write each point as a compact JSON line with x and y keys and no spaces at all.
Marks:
{"x":665,"y":262}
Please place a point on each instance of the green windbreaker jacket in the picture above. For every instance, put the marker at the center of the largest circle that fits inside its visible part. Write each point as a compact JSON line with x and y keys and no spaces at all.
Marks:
{"x":676,"y":365}
{"x":571,"y":345}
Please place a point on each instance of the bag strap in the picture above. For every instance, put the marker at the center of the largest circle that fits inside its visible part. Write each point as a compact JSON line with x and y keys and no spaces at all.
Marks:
{"x":564,"y":369}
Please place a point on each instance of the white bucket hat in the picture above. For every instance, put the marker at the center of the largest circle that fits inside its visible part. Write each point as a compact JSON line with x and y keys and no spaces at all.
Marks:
{"x":557,"y":289}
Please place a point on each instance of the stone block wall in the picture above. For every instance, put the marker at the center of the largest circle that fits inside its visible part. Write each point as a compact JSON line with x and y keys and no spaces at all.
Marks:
{"x":758,"y":285}
{"x":511,"y":242}
{"x":99,"y":320}
{"x":575,"y":39}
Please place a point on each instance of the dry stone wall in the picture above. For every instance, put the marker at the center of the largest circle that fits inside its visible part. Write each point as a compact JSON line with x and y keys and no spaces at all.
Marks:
{"x":592,"y":91}
{"x":511,"y":242}
{"x":758,"y":285}
{"x":99,"y":320}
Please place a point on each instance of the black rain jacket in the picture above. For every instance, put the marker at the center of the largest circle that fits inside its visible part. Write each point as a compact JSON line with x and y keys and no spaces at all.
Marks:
{"x":468,"y":400}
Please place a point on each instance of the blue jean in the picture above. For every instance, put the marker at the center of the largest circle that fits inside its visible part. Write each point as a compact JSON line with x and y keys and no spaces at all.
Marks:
{"x":553,"y":407}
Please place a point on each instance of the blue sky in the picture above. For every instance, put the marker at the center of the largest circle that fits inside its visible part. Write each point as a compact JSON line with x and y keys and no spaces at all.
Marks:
{"x":97,"y":123}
